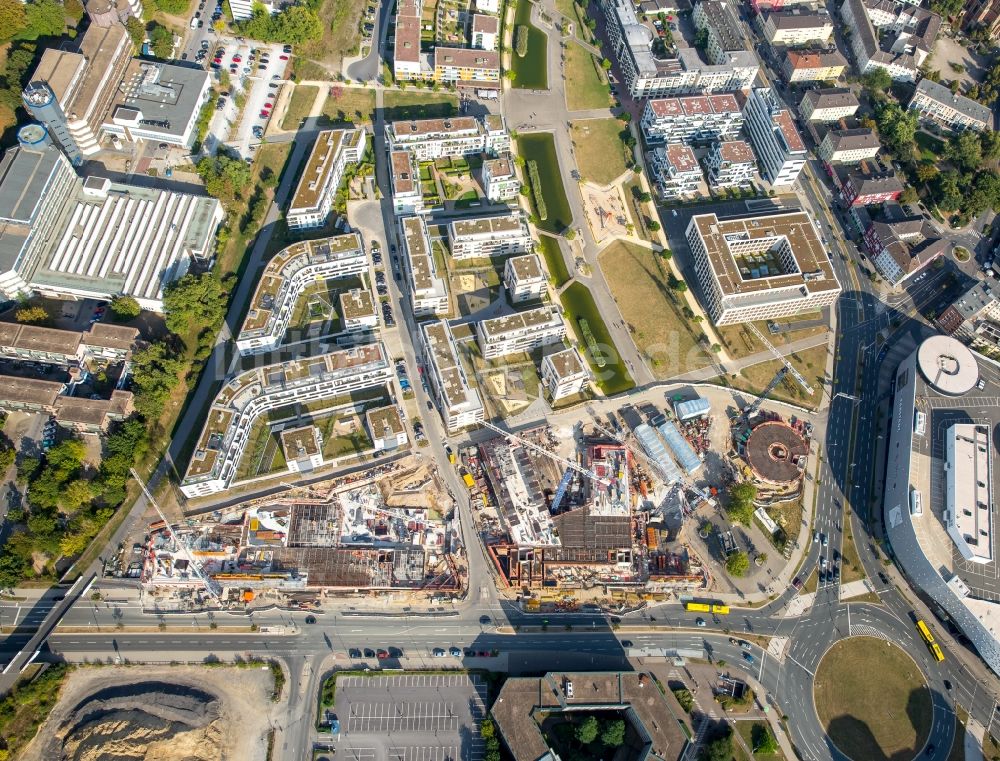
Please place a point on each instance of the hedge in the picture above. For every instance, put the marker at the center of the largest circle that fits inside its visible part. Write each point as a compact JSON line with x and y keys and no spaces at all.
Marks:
{"x":535,"y":181}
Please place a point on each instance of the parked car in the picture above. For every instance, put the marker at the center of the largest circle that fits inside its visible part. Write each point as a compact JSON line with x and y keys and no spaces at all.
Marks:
{"x":454,"y":652}
{"x":438,"y":652}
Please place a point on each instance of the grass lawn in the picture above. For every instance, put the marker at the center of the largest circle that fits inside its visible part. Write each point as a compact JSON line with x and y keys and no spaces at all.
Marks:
{"x":419,"y":105}
{"x":578,"y":302}
{"x":349,"y":104}
{"x":600,"y":153}
{"x":958,"y":745}
{"x":850,"y":564}
{"x":299,"y":105}
{"x":811,"y":583}
{"x":555,"y":262}
{"x":740,"y":342}
{"x":811,"y":363}
{"x":341,"y":38}
{"x":749,"y":730}
{"x":531,"y":71}
{"x":872,"y":700}
{"x":638,"y":281}
{"x":630,"y":189}
{"x":929,"y":147}
{"x":586,"y":85}
{"x":541,"y":148}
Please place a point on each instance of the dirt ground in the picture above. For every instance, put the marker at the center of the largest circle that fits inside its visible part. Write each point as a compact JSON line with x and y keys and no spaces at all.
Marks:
{"x":948,"y":51}
{"x":158,"y":713}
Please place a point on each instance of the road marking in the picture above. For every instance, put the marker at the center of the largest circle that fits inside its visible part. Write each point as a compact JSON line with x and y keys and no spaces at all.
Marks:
{"x":808,"y":671}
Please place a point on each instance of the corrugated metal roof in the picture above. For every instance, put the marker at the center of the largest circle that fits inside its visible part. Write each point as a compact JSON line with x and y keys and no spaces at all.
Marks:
{"x":682,"y":451}
{"x":654,"y":448}
{"x":691,"y":408}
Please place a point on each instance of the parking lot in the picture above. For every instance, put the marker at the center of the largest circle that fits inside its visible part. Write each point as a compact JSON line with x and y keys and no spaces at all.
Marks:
{"x":411,"y":717}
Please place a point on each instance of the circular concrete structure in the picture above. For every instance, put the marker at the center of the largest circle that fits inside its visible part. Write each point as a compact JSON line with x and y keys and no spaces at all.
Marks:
{"x":948,"y":365}
{"x":773,"y":449}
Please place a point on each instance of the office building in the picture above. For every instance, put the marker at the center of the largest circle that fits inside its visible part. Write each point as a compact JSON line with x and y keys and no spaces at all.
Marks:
{"x":407,"y":197}
{"x":457,"y":400}
{"x":813,"y":65}
{"x":500,"y":181}
{"x":428,"y":291}
{"x":314,"y":195}
{"x":935,"y":102}
{"x":828,"y":105}
{"x":524,"y":278}
{"x":731,"y":164}
{"x":779,"y":148}
{"x":761,"y":267}
{"x":71,"y":91}
{"x":721,"y":28}
{"x":485,"y":237}
{"x":406,"y":51}
{"x":979,"y":304}
{"x":466,"y":67}
{"x":903,"y":247}
{"x":520,"y":332}
{"x":430,"y":139}
{"x":564,"y":373}
{"x":243,"y":398}
{"x":243,"y":9}
{"x":692,"y":118}
{"x":675,"y":171}
{"x":484,"y":31}
{"x":848,"y":146}
{"x":896,"y":37}
{"x":303,"y":448}
{"x":385,"y":426}
{"x":649,"y":76}
{"x":796,"y":26}
{"x":287,"y":276}
{"x":357,"y":309}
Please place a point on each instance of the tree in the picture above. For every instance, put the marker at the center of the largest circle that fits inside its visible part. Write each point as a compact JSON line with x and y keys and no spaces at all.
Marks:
{"x":606,"y":64}
{"x":763,"y":740}
{"x":877,"y":82}
{"x":74,"y":10}
{"x":947,"y":190}
{"x":720,"y":749}
{"x":763,"y":557}
{"x":294,"y":25}
{"x":155,"y":372}
{"x":226,"y":177}
{"x":136,"y":31}
{"x":653,"y":226}
{"x":644,"y":196}
{"x":7,"y":457}
{"x":125,"y":308}
{"x":909,"y":195}
{"x":897,"y":128}
{"x":737,"y":564}
{"x":13,"y":18}
{"x":613,"y":735}
{"x":161,"y":41}
{"x":44,"y":18}
{"x":32,"y":315}
{"x":586,"y":731}
{"x":740,"y":506}
{"x":990,"y":143}
{"x":685,"y":698}
{"x":76,"y":494}
{"x":926,"y":171}
{"x":194,"y":300}
{"x":965,"y":150}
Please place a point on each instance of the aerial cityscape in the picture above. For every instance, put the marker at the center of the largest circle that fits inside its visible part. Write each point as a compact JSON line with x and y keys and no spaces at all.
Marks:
{"x":499,"y":380}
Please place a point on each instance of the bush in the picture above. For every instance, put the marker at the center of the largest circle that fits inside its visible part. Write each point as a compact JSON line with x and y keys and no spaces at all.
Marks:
{"x":535,"y":181}
{"x":521,"y":40}
{"x":294,"y":25}
{"x":125,"y":308}
{"x":36,"y":315}
{"x":685,"y":698}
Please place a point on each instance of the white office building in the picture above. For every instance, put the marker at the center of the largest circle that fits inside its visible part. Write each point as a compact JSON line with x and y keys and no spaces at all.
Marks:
{"x":457,"y":400}
{"x":692,"y":118}
{"x":520,"y":332}
{"x":731,"y":164}
{"x":675,"y":170}
{"x":487,"y":237}
{"x":779,"y":148}
{"x":314,"y":195}
{"x":428,"y":291}
{"x":564,"y":373}
{"x":484,"y":31}
{"x":524,"y":278}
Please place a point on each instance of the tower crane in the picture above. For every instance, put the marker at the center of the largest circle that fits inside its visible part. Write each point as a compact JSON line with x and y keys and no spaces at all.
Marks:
{"x":195,"y":566}
{"x":626,"y":442}
{"x":545,"y":452}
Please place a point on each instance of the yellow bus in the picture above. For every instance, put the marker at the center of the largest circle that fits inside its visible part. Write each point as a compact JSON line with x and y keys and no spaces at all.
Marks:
{"x":722,"y":610}
{"x":925,"y":633}
{"x":701,"y":607}
{"x":936,"y":652}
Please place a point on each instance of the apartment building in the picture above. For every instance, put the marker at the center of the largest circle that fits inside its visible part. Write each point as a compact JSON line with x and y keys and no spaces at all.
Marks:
{"x":524,"y":278}
{"x":675,"y":170}
{"x":980,"y":303}
{"x":722,"y":29}
{"x":407,"y":197}
{"x":564,"y":373}
{"x":648,"y":76}
{"x":110,"y":12}
{"x":65,"y":237}
{"x":385,"y":426}
{"x":287,"y":275}
{"x":303,"y":448}
{"x":466,"y":67}
{"x":430,"y":139}
{"x":935,"y":102}
{"x":246,"y":396}
{"x":869,"y":183}
{"x":314,"y":195}
{"x":483,"y":237}
{"x":428,"y":291}
{"x":900,"y":248}
{"x":982,"y":13}
{"x":731,"y":164}
{"x":457,"y":400}
{"x":813,"y":65}
{"x":848,"y":146}
{"x":488,"y":6}
{"x":796,"y":26}
{"x":357,"y":310}
{"x":829,"y":104}
{"x":500,"y":182}
{"x":905,"y":36}
{"x":692,"y":118}
{"x":75,"y":413}
{"x":484,"y":31}
{"x":520,"y":332}
{"x":761,"y":266}
{"x":71,"y":90}
{"x":406,"y":50}
{"x":779,"y":148}
{"x":102,"y":342}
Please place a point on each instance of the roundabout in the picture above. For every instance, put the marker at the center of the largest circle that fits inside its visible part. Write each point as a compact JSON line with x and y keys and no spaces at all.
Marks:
{"x":872,"y":700}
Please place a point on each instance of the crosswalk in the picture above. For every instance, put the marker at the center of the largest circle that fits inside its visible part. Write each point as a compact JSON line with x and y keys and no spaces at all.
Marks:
{"x":864,"y":630}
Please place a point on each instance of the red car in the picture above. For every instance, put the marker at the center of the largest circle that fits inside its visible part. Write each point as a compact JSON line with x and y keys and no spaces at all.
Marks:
{"x":264,"y":114}
{"x":237,"y":58}
{"x":283,"y":57}
{"x":380,"y":653}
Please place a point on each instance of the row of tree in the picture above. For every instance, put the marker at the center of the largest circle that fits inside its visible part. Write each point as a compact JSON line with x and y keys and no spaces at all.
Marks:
{"x":294,"y":25}
{"x":37,"y":18}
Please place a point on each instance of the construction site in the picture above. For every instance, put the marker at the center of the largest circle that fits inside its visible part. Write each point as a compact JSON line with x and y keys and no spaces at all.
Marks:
{"x":391,"y":530}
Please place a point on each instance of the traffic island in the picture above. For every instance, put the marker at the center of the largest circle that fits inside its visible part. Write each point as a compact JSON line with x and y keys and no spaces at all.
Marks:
{"x":872,"y":700}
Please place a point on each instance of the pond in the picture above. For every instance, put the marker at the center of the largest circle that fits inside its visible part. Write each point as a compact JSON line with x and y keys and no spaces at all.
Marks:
{"x":541,"y":148}
{"x":531,"y":71}
{"x":585,"y":319}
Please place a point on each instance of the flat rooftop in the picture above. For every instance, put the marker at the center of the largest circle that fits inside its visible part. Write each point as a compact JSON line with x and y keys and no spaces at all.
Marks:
{"x":384,"y":421}
{"x":970,"y":503}
{"x":426,"y":280}
{"x":503,"y":225}
{"x":695,"y":105}
{"x":682,"y":158}
{"x":444,"y":355}
{"x":758,"y":253}
{"x":322,"y":160}
{"x":167,"y":96}
{"x":566,"y":363}
{"x":298,"y":443}
{"x":417,"y":128}
{"x":527,"y":268}
{"x":737,"y":152}
{"x":404,"y":172}
{"x":356,"y":304}
{"x":774,"y":450}
{"x":530,"y":319}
